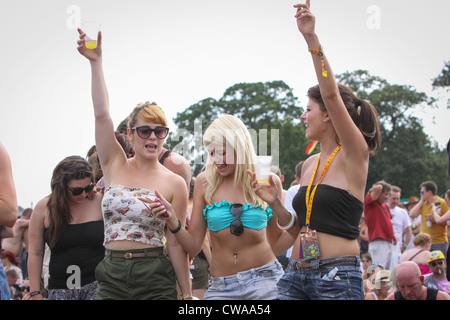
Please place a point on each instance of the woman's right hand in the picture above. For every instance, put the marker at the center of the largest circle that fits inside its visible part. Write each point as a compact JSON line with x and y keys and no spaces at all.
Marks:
{"x":91,"y":54}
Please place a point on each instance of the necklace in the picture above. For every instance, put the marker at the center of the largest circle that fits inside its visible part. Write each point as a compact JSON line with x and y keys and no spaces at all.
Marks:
{"x":309,"y":248}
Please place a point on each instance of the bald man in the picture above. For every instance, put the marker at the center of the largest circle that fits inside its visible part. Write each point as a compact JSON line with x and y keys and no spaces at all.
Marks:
{"x":411,"y":285}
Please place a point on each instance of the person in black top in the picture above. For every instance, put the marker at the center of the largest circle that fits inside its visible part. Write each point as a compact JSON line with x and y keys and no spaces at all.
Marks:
{"x":411,"y":285}
{"x":329,"y":204}
{"x":70,"y":221}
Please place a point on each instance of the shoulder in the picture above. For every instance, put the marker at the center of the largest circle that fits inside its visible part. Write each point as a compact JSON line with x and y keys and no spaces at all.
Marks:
{"x":391,"y":296}
{"x":442,"y":295}
{"x":40,"y":210}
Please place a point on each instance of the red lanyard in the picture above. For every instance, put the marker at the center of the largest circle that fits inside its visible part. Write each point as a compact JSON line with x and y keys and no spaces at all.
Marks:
{"x":309,"y":199}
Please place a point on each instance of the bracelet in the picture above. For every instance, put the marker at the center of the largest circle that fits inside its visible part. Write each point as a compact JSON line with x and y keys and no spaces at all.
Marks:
{"x":321,"y":55}
{"x":290,"y":224}
{"x":177,"y":229}
{"x":35,"y":293}
{"x":188,"y":297}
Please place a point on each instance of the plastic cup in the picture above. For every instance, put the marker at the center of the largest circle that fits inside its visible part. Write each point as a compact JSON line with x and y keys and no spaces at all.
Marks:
{"x":262,"y":169}
{"x":91,"y":28}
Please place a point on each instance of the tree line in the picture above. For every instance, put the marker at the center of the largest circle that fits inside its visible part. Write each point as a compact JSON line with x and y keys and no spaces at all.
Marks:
{"x":272,"y":112}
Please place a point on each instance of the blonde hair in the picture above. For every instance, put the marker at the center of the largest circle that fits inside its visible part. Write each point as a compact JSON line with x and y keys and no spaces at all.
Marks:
{"x":231,"y":131}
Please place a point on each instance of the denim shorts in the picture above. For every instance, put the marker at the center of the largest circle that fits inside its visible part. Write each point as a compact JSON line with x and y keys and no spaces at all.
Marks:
{"x":308,"y":283}
{"x":254,"y":284}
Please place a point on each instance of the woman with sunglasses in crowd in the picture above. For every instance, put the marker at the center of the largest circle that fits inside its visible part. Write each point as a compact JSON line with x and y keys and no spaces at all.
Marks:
{"x":325,"y":262}
{"x":70,"y":222}
{"x":136,"y":266}
{"x":243,"y":233}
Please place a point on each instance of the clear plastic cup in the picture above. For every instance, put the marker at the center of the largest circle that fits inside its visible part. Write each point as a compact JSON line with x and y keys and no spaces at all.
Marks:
{"x":262,"y":168}
{"x":91,"y":28}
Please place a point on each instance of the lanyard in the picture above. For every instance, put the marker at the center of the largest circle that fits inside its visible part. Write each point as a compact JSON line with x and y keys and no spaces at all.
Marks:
{"x":309,"y":199}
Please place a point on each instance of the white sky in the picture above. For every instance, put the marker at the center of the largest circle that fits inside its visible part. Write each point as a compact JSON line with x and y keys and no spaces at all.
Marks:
{"x":178,"y":52}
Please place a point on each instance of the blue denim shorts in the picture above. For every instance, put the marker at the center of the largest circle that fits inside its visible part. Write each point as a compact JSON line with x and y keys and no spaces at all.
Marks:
{"x":308,"y":283}
{"x":254,"y":284}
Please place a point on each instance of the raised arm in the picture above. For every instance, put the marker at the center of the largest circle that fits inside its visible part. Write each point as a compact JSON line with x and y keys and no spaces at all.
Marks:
{"x":348,"y":133}
{"x":8,"y":199}
{"x":109,"y":150}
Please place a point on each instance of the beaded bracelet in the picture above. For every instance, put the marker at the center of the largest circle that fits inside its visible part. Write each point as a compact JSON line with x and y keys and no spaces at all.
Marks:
{"x":321,"y":55}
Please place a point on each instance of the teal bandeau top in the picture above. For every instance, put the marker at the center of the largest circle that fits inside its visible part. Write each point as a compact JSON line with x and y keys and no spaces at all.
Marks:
{"x":218,"y":216}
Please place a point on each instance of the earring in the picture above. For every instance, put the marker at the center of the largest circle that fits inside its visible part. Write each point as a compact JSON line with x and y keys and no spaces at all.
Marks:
{"x":324,"y":120}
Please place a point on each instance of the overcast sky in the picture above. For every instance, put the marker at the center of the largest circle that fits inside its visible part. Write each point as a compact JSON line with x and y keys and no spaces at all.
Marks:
{"x":178,"y":52}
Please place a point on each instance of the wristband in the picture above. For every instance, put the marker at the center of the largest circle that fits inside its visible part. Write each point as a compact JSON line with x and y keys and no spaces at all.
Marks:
{"x":177,"y":228}
{"x":35,"y":293}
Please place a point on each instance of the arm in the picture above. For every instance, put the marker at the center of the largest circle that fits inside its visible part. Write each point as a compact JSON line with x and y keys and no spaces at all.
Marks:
{"x":271,"y":194}
{"x":8,"y":198}
{"x":349,"y":134}
{"x":375,"y":192}
{"x":440,"y":219}
{"x":108,"y":148}
{"x":36,"y":246}
{"x":415,"y":211}
{"x":178,"y":256}
{"x":193,"y":239}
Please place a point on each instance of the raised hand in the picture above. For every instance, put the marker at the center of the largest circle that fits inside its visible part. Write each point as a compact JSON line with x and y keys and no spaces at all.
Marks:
{"x":91,"y":54}
{"x":305,"y":19}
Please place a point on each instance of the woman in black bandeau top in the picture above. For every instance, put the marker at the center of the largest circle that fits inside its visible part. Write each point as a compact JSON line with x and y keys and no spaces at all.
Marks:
{"x":70,"y":221}
{"x":332,"y":185}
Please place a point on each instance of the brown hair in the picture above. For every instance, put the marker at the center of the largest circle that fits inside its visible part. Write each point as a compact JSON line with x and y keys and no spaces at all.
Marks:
{"x":430,"y":186}
{"x":363,"y":114}
{"x":73,"y":167}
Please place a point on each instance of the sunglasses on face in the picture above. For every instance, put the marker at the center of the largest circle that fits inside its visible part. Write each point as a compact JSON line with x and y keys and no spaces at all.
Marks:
{"x":435,"y":263}
{"x":236,"y":226}
{"x":145,"y":132}
{"x":78,"y":191}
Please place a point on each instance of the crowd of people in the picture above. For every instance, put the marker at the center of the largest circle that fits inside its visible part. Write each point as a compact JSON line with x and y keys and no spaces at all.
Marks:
{"x":130,"y":222}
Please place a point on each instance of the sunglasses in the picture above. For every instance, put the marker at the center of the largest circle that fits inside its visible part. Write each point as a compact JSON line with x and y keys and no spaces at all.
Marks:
{"x":145,"y":132}
{"x":236,"y":226}
{"x":78,"y":191}
{"x":434,"y":263}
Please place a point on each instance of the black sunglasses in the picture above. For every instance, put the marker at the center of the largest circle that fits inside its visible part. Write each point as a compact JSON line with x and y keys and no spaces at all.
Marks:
{"x":145,"y":132}
{"x":434,"y":263}
{"x":236,"y":226}
{"x":78,"y":191}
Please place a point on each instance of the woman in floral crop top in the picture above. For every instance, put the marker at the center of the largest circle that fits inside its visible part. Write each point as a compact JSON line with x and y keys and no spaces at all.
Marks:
{"x":135,"y":265}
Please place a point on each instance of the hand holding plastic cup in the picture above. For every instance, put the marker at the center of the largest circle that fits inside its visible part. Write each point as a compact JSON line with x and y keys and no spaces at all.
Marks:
{"x":91,"y":29}
{"x":262,"y":168}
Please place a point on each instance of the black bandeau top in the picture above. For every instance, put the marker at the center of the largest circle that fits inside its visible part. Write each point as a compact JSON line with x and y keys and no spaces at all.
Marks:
{"x":335,"y":211}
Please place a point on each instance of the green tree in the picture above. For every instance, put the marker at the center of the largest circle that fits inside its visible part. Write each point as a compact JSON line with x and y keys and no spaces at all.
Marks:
{"x":266,"y":108}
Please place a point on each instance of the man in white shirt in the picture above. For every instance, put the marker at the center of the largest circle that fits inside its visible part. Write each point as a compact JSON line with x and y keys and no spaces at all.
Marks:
{"x":400,"y":223}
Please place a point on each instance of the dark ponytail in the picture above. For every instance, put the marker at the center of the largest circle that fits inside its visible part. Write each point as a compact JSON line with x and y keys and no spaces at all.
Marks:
{"x":363,"y":114}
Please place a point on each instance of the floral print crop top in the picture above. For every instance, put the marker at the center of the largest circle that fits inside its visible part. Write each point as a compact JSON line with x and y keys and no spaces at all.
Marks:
{"x":128,"y":218}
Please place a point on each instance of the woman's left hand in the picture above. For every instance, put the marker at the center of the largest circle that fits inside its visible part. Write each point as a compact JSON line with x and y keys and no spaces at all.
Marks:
{"x":267,"y":192}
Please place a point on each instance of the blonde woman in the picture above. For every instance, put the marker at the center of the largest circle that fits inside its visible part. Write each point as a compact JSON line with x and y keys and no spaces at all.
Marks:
{"x":242,"y":230}
{"x":136,"y":266}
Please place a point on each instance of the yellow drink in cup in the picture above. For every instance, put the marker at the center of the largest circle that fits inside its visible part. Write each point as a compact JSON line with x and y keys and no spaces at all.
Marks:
{"x":262,"y":169}
{"x":91,"y":29}
{"x":91,"y":44}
